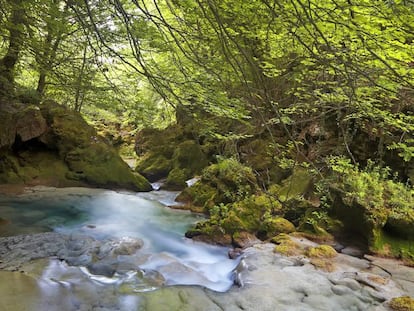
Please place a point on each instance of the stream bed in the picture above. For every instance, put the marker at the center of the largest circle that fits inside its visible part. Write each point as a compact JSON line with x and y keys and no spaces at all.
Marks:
{"x":120,"y":242}
{"x":78,"y":249}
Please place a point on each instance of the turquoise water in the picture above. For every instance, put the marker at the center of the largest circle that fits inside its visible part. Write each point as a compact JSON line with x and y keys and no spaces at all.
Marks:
{"x":105,"y":215}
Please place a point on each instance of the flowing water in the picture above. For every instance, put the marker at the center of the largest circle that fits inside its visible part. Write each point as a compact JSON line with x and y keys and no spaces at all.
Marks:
{"x":106,"y":215}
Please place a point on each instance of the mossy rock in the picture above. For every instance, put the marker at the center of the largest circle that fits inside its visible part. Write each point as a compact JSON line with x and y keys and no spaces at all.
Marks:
{"x":188,"y":155}
{"x":280,"y":238}
{"x":317,"y":222}
{"x":400,"y":222}
{"x":68,"y":129}
{"x":389,"y":245}
{"x":233,"y":180}
{"x":323,"y":264}
{"x":252,"y":215}
{"x":176,"y":179}
{"x":295,"y":208}
{"x":210,"y":233}
{"x":89,"y":158}
{"x":259,"y":155}
{"x":321,"y":256}
{"x":321,"y":251}
{"x":404,"y":303}
{"x":225,"y":182}
{"x":356,"y":217}
{"x":101,"y":166}
{"x":158,"y":141}
{"x":288,"y":247}
{"x":200,"y":194}
{"x":273,"y":226}
{"x":154,"y":166}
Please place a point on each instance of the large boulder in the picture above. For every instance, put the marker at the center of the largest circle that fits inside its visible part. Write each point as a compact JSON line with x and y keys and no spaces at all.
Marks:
{"x":53,"y":145}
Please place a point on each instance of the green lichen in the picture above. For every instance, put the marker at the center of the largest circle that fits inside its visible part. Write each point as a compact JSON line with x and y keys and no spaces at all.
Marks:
{"x":404,"y":303}
{"x":321,"y":251}
{"x":288,"y":248}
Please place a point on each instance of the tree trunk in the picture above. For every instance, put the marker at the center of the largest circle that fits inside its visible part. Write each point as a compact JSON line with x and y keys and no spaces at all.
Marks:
{"x":8,"y":62}
{"x":78,"y":95}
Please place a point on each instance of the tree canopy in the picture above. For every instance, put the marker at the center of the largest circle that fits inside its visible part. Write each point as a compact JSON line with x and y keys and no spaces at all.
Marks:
{"x":289,"y":65}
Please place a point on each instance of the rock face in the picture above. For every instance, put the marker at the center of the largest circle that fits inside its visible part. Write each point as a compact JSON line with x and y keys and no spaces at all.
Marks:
{"x":55,"y":146}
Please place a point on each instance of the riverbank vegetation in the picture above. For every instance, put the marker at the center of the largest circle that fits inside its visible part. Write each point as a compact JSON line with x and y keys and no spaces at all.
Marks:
{"x":297,"y":115}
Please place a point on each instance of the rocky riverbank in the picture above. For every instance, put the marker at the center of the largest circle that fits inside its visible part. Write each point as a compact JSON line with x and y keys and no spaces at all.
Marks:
{"x":93,"y":275}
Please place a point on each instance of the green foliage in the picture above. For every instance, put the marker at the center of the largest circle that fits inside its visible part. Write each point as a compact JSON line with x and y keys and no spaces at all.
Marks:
{"x":233,"y":180}
{"x":372,"y":187}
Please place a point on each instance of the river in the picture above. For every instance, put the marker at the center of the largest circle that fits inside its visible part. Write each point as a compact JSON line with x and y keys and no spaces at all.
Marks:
{"x":166,"y":257}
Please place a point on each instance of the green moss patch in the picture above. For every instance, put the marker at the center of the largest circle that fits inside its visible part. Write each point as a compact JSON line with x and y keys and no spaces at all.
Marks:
{"x":403,"y":303}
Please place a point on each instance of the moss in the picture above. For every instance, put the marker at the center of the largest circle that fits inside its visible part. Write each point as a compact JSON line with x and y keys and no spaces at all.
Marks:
{"x":233,"y":180}
{"x":200,"y":194}
{"x":100,"y":166}
{"x":210,"y":233}
{"x":288,"y":248}
{"x":189,"y":155}
{"x":259,"y":155}
{"x":295,"y":209}
{"x":374,"y":206}
{"x":280,"y":238}
{"x":318,"y":223}
{"x":400,"y":222}
{"x":323,"y":264}
{"x":158,"y":141}
{"x":224,"y":182}
{"x":321,"y":251}
{"x":273,"y":226}
{"x":391,"y":246}
{"x":154,"y":166}
{"x":176,"y":179}
{"x":404,"y":303}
